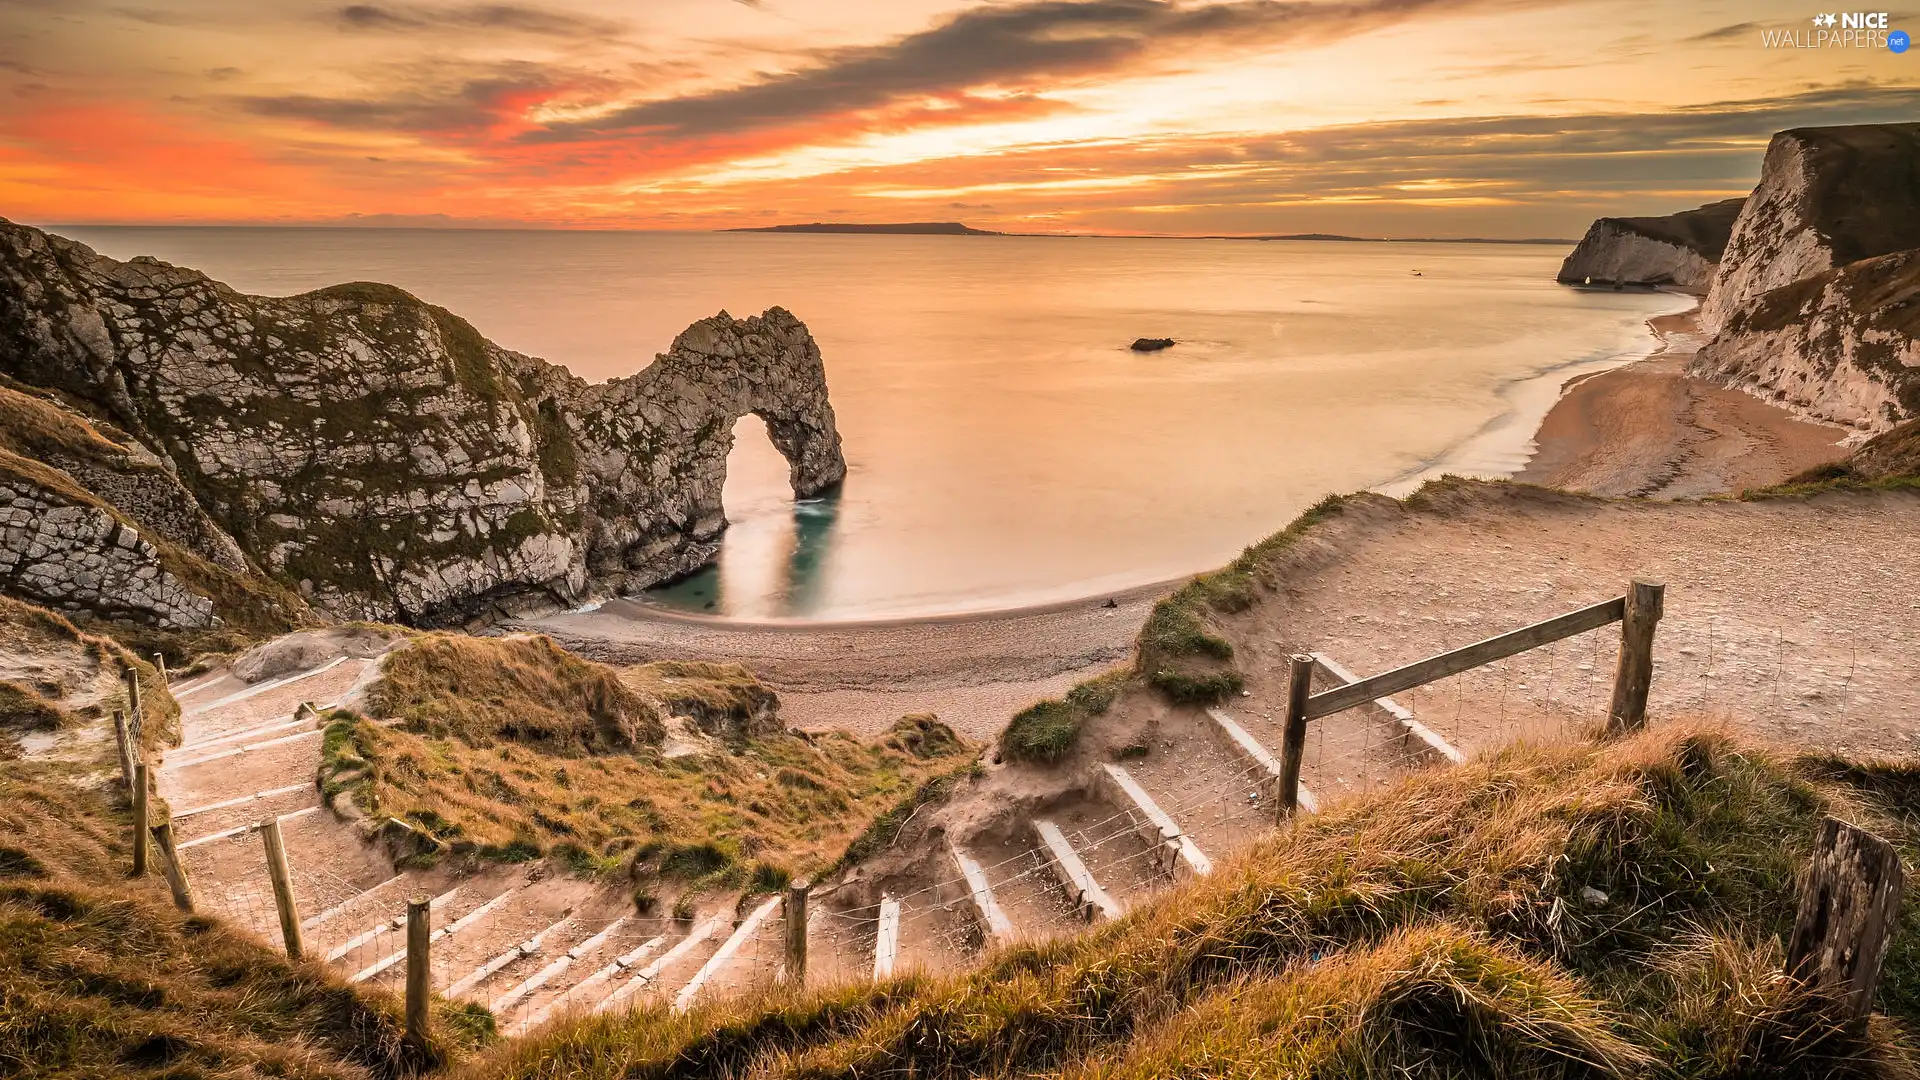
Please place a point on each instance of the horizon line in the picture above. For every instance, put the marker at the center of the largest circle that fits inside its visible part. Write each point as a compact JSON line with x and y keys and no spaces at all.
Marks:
{"x":1309,"y":237}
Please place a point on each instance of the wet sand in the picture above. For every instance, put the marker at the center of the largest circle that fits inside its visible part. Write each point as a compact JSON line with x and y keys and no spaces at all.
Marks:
{"x":1647,"y":429}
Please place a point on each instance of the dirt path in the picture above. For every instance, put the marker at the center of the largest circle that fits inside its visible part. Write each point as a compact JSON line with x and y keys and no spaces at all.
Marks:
{"x":1796,"y":618}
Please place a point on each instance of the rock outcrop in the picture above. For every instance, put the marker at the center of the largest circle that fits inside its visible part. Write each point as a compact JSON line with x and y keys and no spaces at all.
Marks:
{"x":377,"y":454}
{"x":1813,"y":304}
{"x":1680,"y":250}
{"x":65,"y":551}
{"x":1841,"y":346}
{"x":1827,"y":197}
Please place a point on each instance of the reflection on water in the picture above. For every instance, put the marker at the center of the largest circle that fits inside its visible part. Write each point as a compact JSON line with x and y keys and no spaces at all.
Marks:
{"x":775,"y":556}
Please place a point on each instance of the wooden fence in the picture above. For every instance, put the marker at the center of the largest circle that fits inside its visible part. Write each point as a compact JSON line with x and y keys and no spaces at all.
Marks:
{"x":1637,"y":612}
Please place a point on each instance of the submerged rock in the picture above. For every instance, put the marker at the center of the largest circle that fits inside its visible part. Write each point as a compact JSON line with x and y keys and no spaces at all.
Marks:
{"x":1151,"y":344}
{"x":377,"y":454}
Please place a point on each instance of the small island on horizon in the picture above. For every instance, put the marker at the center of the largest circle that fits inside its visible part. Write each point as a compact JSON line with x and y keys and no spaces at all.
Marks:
{"x":904,"y":228}
{"x":956,"y":228}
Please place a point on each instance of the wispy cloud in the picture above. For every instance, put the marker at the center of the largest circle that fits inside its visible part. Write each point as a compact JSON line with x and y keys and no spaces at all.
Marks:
{"x":519,"y":18}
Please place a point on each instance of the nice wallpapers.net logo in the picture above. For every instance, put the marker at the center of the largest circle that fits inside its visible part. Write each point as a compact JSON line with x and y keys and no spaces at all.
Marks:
{"x":1841,"y":30}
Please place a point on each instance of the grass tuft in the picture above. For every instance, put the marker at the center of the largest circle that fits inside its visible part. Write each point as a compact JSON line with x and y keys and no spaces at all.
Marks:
{"x":1045,"y":731}
{"x":1181,"y":651}
{"x":1563,"y":911}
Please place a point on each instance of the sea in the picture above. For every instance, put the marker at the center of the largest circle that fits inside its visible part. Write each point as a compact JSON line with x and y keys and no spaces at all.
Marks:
{"x":1005,"y":446}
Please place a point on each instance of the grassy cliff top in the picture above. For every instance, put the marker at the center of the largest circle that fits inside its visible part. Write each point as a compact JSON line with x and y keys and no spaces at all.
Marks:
{"x":512,"y":749}
{"x":1587,"y":910}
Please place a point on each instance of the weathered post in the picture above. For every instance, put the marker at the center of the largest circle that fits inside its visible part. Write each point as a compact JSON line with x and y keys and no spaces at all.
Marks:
{"x":175,"y":870}
{"x":282,"y":887}
{"x":160,"y":665}
{"x":419,"y":966}
{"x":136,"y":722}
{"x":797,"y":931}
{"x":121,"y":736}
{"x":1849,"y":899}
{"x":1633,"y":675}
{"x":140,"y":820}
{"x":1293,"y":745}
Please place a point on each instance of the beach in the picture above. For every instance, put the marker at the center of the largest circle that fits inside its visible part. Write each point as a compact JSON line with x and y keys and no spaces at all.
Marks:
{"x":1642,"y":429}
{"x":1648,"y":429}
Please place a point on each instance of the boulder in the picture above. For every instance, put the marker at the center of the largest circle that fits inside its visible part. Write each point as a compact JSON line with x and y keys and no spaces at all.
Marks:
{"x":1151,"y":344}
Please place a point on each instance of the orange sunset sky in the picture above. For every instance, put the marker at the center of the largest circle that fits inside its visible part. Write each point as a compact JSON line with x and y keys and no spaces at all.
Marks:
{"x":1502,"y":118}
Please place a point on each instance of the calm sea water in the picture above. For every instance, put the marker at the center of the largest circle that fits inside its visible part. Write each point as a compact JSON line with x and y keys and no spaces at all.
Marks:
{"x":1005,"y":447}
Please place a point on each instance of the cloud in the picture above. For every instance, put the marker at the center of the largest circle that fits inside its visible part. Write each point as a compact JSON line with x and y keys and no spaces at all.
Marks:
{"x":519,"y":18}
{"x":432,"y":104}
{"x":1018,"y":46}
{"x":1725,"y":33}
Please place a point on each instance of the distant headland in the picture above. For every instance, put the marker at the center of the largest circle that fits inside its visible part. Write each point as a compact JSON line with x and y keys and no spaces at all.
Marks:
{"x":955,"y":228}
{"x":902,"y":228}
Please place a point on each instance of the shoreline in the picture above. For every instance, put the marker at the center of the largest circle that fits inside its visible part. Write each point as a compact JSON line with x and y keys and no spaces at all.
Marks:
{"x":1630,"y":424}
{"x":1648,"y":429}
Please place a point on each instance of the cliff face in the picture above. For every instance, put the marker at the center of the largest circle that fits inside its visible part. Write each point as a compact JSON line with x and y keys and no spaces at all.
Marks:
{"x":1840,"y":345}
{"x":1680,"y":250}
{"x":377,"y":454}
{"x":1827,"y":197}
{"x":1813,"y":305}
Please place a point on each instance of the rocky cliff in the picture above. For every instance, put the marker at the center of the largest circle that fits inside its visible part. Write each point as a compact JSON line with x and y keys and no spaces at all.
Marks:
{"x":377,"y":454}
{"x":1813,"y":304}
{"x":1680,"y":250}
{"x":1827,"y":197}
{"x":1842,"y":345}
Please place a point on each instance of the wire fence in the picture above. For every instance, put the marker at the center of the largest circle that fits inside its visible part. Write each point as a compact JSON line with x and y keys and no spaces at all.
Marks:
{"x":528,"y":955}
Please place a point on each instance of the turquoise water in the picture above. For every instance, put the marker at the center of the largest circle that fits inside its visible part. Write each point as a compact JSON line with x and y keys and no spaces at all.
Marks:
{"x":1004,"y":445}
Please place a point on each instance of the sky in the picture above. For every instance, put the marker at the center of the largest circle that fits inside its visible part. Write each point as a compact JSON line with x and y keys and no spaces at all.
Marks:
{"x":1440,"y":118}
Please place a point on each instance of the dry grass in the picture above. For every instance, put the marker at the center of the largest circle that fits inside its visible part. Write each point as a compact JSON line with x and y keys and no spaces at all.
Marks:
{"x":76,"y":678}
{"x":723,"y":699}
{"x":513,"y":749}
{"x":1442,"y":927}
{"x":521,"y":690}
{"x":101,"y":977}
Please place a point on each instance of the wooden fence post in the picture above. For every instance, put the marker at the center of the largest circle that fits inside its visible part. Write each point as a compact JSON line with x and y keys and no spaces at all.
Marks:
{"x":171,"y":865}
{"x":136,"y":719}
{"x":797,"y":931}
{"x":1293,"y":744}
{"x":282,"y":887}
{"x":125,"y":739}
{"x":1849,"y":899}
{"x":160,"y":665}
{"x":419,"y":966}
{"x":1633,"y":675}
{"x":140,"y":820}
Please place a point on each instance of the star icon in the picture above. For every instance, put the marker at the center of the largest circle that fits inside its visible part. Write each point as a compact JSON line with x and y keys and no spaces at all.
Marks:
{"x":1831,"y":20}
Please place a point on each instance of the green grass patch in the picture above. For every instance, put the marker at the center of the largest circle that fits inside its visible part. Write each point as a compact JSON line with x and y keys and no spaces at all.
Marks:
{"x":1181,"y":651}
{"x":513,"y":749}
{"x":1045,"y":731}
